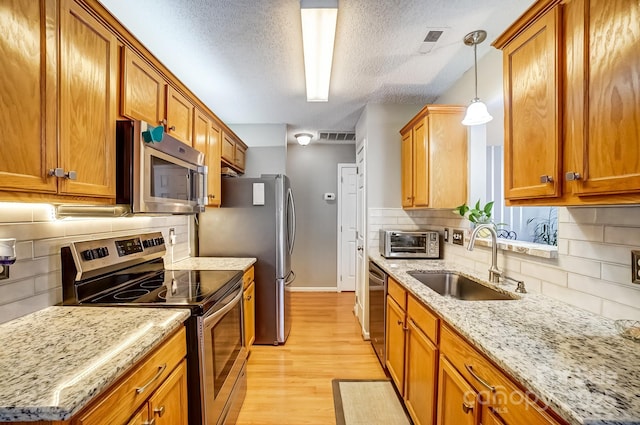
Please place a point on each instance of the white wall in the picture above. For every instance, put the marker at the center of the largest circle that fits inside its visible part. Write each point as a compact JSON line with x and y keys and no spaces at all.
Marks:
{"x":313,"y":170}
{"x":35,"y":279}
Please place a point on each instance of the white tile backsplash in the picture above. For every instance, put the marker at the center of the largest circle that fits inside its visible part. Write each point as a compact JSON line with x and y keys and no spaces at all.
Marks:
{"x":35,"y":278}
{"x":593,"y":268}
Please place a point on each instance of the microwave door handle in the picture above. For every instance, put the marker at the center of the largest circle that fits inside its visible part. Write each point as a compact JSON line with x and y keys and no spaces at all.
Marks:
{"x":203,"y":172}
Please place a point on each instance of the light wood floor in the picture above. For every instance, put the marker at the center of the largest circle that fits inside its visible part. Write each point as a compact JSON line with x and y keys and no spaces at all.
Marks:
{"x":291,"y":384}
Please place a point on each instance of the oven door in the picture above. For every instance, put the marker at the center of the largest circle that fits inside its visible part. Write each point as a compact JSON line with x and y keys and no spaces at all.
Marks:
{"x":222,"y":356}
{"x":169,"y":185}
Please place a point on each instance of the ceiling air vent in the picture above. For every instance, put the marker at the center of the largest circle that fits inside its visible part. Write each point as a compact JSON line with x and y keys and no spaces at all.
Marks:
{"x":337,"y":136}
{"x":430,"y":40}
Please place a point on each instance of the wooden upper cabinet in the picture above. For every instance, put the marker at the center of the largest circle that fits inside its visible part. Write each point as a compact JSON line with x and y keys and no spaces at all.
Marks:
{"x":406,"y":176}
{"x":233,"y":152}
{"x":143,"y":89}
{"x":28,"y":91}
{"x":603,"y":95}
{"x":572,"y":113}
{"x":214,"y":183}
{"x":228,"y":148}
{"x":434,"y":158}
{"x":179,"y":116}
{"x":533,"y":111}
{"x":88,"y":79}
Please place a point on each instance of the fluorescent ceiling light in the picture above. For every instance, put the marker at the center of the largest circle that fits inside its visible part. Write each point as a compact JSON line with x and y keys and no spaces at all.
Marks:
{"x":319,"y":19}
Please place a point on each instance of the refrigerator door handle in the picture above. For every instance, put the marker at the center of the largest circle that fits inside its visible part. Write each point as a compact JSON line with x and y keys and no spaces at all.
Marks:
{"x":291,"y":225}
{"x":290,"y":278}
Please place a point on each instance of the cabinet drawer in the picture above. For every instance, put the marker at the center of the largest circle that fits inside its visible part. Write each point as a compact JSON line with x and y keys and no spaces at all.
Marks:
{"x":423,"y":318}
{"x":397,"y":292}
{"x":118,"y":402}
{"x":507,"y":400}
{"x":248,"y":277}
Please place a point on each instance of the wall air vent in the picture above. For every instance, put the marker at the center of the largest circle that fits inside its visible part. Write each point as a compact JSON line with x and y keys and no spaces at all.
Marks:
{"x":327,"y":136}
{"x":430,"y":40}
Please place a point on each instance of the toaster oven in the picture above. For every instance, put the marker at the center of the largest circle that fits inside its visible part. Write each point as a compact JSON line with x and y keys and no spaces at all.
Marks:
{"x":409,"y":244}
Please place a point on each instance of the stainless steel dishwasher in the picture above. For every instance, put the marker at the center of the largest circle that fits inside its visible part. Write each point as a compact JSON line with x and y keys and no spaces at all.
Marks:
{"x":377,"y":315}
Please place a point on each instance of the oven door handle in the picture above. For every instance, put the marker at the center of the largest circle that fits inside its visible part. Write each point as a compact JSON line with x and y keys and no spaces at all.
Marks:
{"x":224,"y":310}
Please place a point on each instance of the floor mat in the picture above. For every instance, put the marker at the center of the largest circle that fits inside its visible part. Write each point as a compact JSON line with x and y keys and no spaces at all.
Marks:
{"x":367,"y":402}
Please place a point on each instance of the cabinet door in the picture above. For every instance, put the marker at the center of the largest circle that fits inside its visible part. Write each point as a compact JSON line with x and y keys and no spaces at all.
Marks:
{"x":532,"y":95}
{"x":490,"y":418}
{"x":420,"y":376}
{"x":28,"y":91}
{"x":249,"y":305}
{"x":448,"y":158}
{"x":239,"y":156}
{"x":143,"y":89}
{"x":228,"y":148}
{"x":407,"y":169}
{"x":421,"y":164}
{"x":603,"y":75}
{"x":88,"y":79}
{"x":179,"y":116}
{"x":395,"y":343}
{"x":168,"y":404}
{"x":214,"y":183}
{"x":458,"y":402}
{"x":201,"y":126}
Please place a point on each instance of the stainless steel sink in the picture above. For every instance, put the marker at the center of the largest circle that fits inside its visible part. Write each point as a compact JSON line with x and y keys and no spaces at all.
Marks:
{"x":458,"y":286}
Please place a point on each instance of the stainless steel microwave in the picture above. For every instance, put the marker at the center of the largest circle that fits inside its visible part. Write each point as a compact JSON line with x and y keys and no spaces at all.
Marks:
{"x":156,"y":173}
{"x":409,"y":244}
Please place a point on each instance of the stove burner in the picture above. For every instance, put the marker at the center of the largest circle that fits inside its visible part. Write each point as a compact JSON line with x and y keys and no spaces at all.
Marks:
{"x":152,"y":283}
{"x":131,"y":294}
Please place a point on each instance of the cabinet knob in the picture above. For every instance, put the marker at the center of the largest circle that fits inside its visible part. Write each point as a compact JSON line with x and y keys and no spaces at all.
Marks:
{"x":466,"y":407}
{"x":59,"y":172}
{"x":212,"y":196}
{"x":159,"y":411}
{"x":546,"y":179}
{"x":172,"y":128}
{"x":249,"y":298}
{"x":571,"y":176}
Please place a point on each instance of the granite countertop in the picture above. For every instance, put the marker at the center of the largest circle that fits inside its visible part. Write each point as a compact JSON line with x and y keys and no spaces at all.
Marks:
{"x":211,"y":263}
{"x":54,"y":361}
{"x":572,"y":360}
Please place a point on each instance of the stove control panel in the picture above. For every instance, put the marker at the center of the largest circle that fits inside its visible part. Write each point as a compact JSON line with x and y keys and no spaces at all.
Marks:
{"x":99,"y":256}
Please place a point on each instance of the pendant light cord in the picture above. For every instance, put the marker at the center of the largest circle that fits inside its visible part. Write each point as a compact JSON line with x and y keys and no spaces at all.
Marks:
{"x":475,"y":62}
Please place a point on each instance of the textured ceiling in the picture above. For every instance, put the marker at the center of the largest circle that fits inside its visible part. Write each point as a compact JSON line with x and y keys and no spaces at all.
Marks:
{"x":243,"y":58}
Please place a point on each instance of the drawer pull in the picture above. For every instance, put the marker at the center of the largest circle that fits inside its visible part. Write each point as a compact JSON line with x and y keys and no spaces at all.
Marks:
{"x":151,"y":422}
{"x":142,"y":389}
{"x":466,"y":407}
{"x":479,"y":379}
{"x":159,"y":411}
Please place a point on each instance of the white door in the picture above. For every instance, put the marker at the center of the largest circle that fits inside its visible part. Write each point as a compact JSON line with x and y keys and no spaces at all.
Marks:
{"x":347,"y":189}
{"x":361,"y":309}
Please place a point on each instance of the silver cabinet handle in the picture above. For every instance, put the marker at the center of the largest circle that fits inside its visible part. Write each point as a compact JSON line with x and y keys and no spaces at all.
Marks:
{"x":161,"y":369}
{"x":571,"y":176}
{"x":466,"y":407}
{"x":479,"y":379}
{"x":59,"y":172}
{"x":151,"y":422}
{"x":159,"y":411}
{"x":546,"y":179}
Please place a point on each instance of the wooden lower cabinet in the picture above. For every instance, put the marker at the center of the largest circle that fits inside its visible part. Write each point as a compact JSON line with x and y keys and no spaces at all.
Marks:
{"x":249,"y":307}
{"x":458,"y":402}
{"x":421,"y":372}
{"x":168,"y":405}
{"x":443,"y":379}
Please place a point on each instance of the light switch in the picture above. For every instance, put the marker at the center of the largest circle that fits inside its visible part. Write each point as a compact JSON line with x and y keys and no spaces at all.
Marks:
{"x":258,"y":194}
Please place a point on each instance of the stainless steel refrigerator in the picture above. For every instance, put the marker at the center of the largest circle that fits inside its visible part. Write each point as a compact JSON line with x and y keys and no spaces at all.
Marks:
{"x":257,"y":219}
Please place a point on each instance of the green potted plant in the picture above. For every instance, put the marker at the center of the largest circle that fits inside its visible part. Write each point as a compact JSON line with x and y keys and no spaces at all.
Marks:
{"x":477,"y":214}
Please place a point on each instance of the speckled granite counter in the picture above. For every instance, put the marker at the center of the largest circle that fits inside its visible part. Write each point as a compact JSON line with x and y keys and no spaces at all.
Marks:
{"x":54,"y":361}
{"x":573,"y":360}
{"x":212,"y":263}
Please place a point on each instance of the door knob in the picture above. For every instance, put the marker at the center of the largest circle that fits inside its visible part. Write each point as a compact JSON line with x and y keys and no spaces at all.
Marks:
{"x":360,"y":248}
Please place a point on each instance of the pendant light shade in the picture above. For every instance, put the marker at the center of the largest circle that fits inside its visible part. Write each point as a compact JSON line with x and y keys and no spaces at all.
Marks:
{"x":477,"y":112}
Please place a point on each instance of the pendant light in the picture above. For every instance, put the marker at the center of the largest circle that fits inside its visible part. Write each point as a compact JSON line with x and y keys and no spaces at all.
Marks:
{"x":477,"y":111}
{"x":303,"y":138}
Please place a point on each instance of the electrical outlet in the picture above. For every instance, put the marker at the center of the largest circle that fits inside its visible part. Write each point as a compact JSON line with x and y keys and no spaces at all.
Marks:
{"x":635,"y":266}
{"x":172,"y":236}
{"x":458,"y":237}
{"x":446,"y":234}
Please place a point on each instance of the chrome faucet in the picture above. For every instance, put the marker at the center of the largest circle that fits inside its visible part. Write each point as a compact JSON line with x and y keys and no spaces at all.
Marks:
{"x":494,"y":271}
